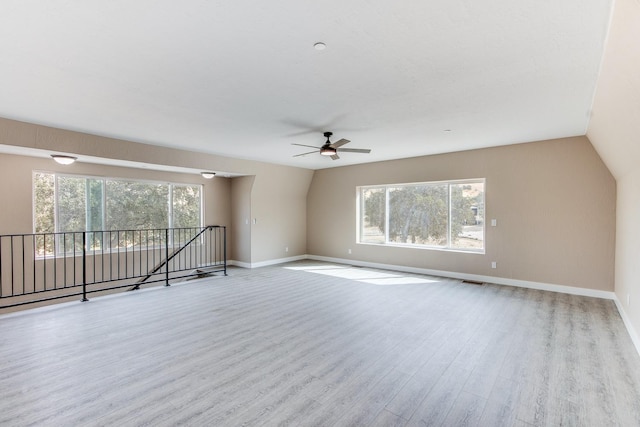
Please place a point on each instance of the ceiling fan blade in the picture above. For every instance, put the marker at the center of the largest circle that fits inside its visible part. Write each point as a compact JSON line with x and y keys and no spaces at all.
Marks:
{"x":309,"y":146}
{"x":335,"y":157}
{"x":339,"y":143}
{"x":304,"y":154}
{"x":354,"y":150}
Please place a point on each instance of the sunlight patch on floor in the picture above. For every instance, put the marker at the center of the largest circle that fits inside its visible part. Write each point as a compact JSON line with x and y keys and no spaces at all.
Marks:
{"x":363,"y":275}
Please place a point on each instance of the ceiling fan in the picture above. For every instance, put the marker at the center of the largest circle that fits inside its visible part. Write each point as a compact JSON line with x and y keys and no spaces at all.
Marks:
{"x":332,"y":149}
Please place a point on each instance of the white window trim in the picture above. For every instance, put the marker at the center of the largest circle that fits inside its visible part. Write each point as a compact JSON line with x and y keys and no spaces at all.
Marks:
{"x":448,"y":248}
{"x":104,"y":193}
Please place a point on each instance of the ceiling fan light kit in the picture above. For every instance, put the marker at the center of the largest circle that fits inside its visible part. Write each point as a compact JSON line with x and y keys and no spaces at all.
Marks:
{"x":328,"y":151}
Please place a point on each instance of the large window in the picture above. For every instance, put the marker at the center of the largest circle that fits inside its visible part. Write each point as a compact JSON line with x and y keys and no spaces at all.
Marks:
{"x":68,"y":203}
{"x":443,"y":215}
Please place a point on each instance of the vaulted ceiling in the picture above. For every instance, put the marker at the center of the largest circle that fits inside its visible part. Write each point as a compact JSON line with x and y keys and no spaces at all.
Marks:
{"x":243,"y":79}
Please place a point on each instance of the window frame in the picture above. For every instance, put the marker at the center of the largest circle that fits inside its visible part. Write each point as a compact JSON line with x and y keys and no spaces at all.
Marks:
{"x":104,"y":204}
{"x":360,"y":210}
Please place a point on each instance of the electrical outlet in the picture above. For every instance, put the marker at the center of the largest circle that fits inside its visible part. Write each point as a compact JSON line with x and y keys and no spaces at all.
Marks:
{"x":494,"y":222}
{"x":494,"y":264}
{"x":349,"y":251}
{"x":286,"y":249}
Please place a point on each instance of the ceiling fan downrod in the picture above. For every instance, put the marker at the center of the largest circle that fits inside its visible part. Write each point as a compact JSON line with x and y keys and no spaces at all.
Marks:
{"x":327,"y":149}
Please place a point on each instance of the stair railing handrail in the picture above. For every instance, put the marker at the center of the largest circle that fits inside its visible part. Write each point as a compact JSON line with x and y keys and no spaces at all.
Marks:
{"x":169,"y":258}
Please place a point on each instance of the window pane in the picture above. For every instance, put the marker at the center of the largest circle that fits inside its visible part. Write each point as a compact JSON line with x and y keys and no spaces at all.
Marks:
{"x":95,"y":214}
{"x":186,"y":206}
{"x":136,"y":205}
{"x":44,"y":211}
{"x":43,"y":199}
{"x":372,"y":222}
{"x":71,"y":204}
{"x":439,"y":214}
{"x":418,"y":214}
{"x":77,"y":204}
{"x":467,"y":216}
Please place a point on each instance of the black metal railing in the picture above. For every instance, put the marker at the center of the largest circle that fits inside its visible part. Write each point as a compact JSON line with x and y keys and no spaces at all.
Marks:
{"x":47,"y":266}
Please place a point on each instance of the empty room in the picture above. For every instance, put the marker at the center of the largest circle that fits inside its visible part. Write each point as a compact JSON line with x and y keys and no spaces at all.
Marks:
{"x":364,"y":213}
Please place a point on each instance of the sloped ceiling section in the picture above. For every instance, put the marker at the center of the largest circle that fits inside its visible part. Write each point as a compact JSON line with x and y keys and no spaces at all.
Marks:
{"x":614,"y":129}
{"x":242,"y":79}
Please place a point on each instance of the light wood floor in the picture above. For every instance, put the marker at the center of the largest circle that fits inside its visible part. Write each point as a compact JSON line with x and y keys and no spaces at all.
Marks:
{"x":311,"y":343}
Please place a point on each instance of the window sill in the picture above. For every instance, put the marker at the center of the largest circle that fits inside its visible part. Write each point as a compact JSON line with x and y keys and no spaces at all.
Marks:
{"x":429,"y":248}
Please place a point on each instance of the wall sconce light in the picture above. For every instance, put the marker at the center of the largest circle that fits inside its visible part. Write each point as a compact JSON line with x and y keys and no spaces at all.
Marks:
{"x":63,"y":160}
{"x":208,"y":175}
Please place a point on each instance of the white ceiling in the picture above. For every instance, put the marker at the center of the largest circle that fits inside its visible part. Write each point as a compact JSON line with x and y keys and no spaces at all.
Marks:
{"x":242,"y":79}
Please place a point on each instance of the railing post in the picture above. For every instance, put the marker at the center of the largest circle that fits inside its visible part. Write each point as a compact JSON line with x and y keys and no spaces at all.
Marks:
{"x":224,"y":233}
{"x":84,"y":266}
{"x":166,"y":247}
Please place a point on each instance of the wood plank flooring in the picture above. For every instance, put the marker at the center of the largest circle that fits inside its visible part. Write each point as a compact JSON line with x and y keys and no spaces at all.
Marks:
{"x":317,"y":344}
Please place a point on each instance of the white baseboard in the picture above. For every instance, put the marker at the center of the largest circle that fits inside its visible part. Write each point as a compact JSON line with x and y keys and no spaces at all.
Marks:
{"x":239,"y":263}
{"x":442,"y":273}
{"x":475,"y":277}
{"x":266,"y":263}
{"x":627,"y":323}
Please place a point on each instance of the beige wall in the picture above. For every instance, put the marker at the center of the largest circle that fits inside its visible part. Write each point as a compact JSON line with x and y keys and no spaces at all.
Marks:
{"x":279,"y":208}
{"x":614,"y":130}
{"x":554,"y":202}
{"x":277,"y":198}
{"x":628,"y":247}
{"x":241,"y":218}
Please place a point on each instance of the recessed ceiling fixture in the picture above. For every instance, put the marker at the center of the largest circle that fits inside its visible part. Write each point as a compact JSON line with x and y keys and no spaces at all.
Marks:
{"x":320,"y":46}
{"x":63,"y":160}
{"x":208,"y":175}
